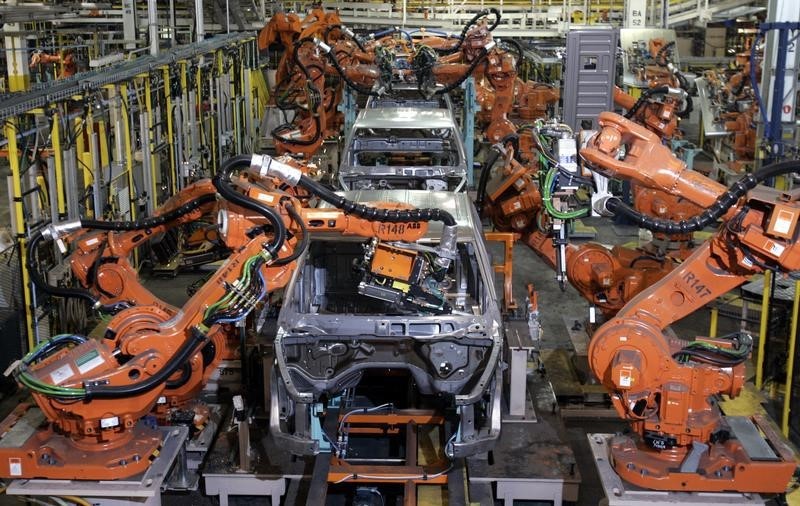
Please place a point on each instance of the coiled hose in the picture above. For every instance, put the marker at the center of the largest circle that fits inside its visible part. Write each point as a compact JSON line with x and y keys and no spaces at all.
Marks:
{"x":375,"y":213}
{"x":658,"y":90}
{"x":222,"y":182}
{"x":662,"y":90}
{"x":512,"y":139}
{"x":469,"y":71}
{"x":518,"y":49}
{"x":724,"y":202}
{"x":475,"y":18}
{"x":175,"y":361}
{"x":661,"y":55}
{"x":300,"y":248}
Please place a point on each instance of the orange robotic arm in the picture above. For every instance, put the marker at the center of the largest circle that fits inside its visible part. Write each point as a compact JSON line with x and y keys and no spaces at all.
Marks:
{"x":665,"y":386}
{"x":606,"y":278}
{"x":306,"y":133}
{"x":533,"y":99}
{"x":148,"y":353}
{"x":659,"y":108}
{"x":281,"y":26}
{"x":100,"y":260}
{"x":646,"y":161}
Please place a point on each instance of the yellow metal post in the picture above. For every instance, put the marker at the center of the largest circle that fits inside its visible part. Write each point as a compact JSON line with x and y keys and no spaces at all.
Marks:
{"x":148,"y":105}
{"x":102,"y":136}
{"x":242,"y":92}
{"x":128,"y":144}
{"x":787,"y":395}
{"x":188,"y":139}
{"x":173,"y":170}
{"x":216,"y":71}
{"x":712,"y":331}
{"x":81,"y":126}
{"x":10,"y":130}
{"x":199,"y":88}
{"x":762,"y":341}
{"x":58,"y":156}
{"x":236,"y":92}
{"x":88,"y":158}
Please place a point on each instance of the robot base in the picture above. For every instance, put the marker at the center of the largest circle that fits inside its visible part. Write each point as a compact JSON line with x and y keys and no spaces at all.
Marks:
{"x":745,"y":463}
{"x":31,"y":449}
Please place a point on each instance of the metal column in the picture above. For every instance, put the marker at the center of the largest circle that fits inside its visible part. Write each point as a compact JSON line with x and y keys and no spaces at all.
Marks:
{"x":779,"y":77}
{"x":171,"y":140}
{"x":468,"y":128}
{"x":152,"y":26}
{"x":198,"y":17}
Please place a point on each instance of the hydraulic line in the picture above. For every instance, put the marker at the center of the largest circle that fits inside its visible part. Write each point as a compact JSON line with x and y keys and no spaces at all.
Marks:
{"x":300,"y":248}
{"x":357,"y":87}
{"x":518,"y":49}
{"x":470,"y":70}
{"x":661,"y":55}
{"x":724,"y":202}
{"x":116,"y":226}
{"x":345,"y":31}
{"x":155,"y":221}
{"x":186,"y":374}
{"x":43,"y":285}
{"x":659,"y":90}
{"x":314,"y":102}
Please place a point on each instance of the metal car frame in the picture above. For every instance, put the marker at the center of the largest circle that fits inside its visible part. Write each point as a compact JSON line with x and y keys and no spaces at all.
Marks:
{"x":456,"y":356}
{"x":354,"y":176}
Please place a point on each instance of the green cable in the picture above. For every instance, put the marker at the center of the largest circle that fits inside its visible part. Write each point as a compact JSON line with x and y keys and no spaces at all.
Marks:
{"x":548,"y":204}
{"x":232,"y":297}
{"x":48,"y":389}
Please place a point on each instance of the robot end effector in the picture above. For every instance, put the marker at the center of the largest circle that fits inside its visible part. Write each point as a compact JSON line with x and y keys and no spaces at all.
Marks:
{"x":395,"y":269}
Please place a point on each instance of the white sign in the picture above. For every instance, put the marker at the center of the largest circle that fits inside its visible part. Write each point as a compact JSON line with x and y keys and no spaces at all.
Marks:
{"x":635,"y":13}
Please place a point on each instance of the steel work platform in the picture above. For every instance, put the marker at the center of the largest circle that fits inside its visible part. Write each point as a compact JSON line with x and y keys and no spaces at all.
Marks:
{"x":144,"y":489}
{"x":620,"y":493}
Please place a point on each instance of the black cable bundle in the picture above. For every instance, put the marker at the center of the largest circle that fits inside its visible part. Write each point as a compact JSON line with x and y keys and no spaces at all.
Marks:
{"x":375,"y":213}
{"x":222,"y":182}
{"x":724,"y":202}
